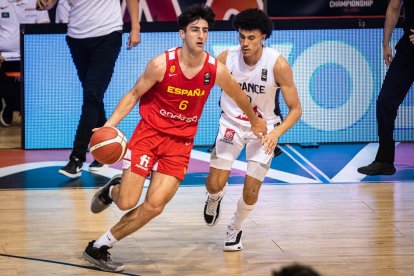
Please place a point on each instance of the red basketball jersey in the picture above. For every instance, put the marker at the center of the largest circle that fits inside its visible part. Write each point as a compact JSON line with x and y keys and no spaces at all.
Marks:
{"x":175,"y":104}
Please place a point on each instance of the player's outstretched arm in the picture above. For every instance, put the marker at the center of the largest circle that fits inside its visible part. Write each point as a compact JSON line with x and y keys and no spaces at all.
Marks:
{"x":284,"y":77}
{"x":229,"y":85}
{"x":154,"y":72}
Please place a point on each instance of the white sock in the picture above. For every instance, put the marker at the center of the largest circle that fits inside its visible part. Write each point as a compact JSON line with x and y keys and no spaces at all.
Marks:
{"x":110,"y":191}
{"x":106,"y":239}
{"x":216,"y":195}
{"x":242,"y":213}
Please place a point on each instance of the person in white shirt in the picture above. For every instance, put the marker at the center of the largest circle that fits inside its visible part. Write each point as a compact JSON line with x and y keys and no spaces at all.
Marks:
{"x":94,"y":38}
{"x":12,"y":14}
{"x":62,"y":11}
{"x":260,"y":71}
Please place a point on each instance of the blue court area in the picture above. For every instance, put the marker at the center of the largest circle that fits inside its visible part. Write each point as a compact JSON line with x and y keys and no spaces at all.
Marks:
{"x":325,"y":164}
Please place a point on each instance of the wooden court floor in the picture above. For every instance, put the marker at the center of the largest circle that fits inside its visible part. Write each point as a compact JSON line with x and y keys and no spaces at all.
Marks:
{"x":339,"y":229}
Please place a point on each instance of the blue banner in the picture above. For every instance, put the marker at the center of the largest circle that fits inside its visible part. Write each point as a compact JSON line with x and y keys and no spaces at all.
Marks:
{"x":338,"y":74}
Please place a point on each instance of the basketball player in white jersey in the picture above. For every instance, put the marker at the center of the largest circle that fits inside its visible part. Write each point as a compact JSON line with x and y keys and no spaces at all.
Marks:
{"x":260,"y":71}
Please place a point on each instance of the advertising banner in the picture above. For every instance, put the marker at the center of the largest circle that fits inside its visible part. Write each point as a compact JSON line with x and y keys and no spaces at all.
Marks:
{"x":326,"y":8}
{"x":338,"y":74}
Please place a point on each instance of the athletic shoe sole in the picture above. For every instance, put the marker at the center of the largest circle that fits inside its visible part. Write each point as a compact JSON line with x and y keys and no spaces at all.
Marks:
{"x":97,"y":264}
{"x":97,"y":169}
{"x":65,"y":173}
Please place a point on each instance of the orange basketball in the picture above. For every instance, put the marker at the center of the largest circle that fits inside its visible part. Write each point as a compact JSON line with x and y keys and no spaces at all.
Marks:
{"x":108,"y":145}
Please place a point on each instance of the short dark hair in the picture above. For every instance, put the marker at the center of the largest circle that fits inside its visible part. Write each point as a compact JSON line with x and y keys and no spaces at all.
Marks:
{"x":296,"y":270}
{"x":194,"y":12}
{"x":253,"y":19}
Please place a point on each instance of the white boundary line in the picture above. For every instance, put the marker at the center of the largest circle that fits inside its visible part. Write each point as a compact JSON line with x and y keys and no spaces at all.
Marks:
{"x":310,"y":164}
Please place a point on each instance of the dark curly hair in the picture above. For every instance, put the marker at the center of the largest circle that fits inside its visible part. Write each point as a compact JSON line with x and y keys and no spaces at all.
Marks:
{"x":253,"y":19}
{"x":194,"y":12}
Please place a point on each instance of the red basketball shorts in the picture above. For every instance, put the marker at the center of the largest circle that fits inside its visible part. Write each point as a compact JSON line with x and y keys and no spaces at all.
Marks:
{"x":151,"y":150}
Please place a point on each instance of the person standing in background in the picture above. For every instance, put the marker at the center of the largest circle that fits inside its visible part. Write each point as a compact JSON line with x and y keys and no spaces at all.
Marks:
{"x":62,"y":11}
{"x":94,"y":38}
{"x":397,"y":83}
{"x":13,"y":13}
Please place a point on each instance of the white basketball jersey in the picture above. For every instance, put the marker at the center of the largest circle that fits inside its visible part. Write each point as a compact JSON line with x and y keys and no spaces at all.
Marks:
{"x":257,"y":82}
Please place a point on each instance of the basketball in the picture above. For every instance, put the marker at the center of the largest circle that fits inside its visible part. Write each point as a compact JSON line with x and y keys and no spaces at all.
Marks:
{"x":108,"y":145}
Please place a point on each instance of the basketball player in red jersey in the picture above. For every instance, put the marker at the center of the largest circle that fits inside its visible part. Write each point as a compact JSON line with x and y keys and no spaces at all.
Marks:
{"x":172,"y":92}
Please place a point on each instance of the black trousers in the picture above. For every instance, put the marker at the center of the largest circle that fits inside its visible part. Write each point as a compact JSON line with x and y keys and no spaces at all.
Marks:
{"x":94,"y":59}
{"x":10,"y":86}
{"x":397,"y":83}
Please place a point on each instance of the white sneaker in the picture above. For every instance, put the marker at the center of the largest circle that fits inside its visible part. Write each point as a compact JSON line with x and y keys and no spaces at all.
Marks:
{"x":212,"y":208}
{"x":233,"y":240}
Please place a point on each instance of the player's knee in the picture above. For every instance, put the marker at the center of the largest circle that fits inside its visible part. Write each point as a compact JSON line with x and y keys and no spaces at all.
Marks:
{"x":217,"y":178}
{"x":213,"y":184}
{"x":250,"y":195}
{"x":257,"y":170}
{"x":153,"y":209}
{"x":125,"y":204}
{"x":220,"y":163}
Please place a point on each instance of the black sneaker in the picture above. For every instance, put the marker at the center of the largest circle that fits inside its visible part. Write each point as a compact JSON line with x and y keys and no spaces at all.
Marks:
{"x":6,"y":114}
{"x":101,"y":199}
{"x":73,"y":168}
{"x":101,"y":258}
{"x":212,"y":208}
{"x":378,"y":168}
{"x":96,"y":166}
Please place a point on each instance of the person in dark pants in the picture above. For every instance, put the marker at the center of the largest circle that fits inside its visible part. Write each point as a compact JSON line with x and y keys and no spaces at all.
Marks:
{"x":9,"y":91}
{"x":94,"y":43}
{"x":397,"y":83}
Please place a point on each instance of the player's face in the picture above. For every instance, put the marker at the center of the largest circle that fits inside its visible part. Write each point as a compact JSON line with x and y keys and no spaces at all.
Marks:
{"x":251,"y":41}
{"x":196,"y":33}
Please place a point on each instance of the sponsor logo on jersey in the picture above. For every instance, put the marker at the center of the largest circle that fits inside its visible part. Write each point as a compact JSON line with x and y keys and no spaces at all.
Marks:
{"x":143,"y":162}
{"x":206,"y":78}
{"x":180,"y":117}
{"x":228,"y":136}
{"x":243,"y":116}
{"x":186,"y":92}
{"x":252,"y":88}
{"x":172,"y":69}
{"x":264,"y":75}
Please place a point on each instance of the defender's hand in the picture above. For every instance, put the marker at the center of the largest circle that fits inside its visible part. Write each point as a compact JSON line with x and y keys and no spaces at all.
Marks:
{"x":270,"y":142}
{"x":259,"y":128}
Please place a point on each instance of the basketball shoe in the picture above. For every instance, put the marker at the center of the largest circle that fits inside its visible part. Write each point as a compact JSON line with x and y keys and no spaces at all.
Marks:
{"x":101,"y":199}
{"x":101,"y":258}
{"x":233,"y":240}
{"x":73,"y":168}
{"x":6,"y":114}
{"x":96,"y":166}
{"x":212,"y":208}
